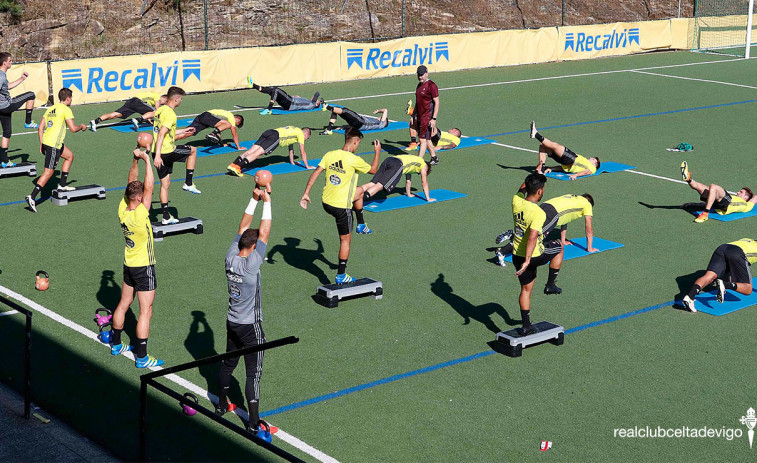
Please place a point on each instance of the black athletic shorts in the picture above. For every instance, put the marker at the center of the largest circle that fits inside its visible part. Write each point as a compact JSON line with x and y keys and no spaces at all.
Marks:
{"x":552,"y":217}
{"x":388,"y":173}
{"x":722,"y":204}
{"x":568,"y":157}
{"x":7,"y":112}
{"x":204,"y":121}
{"x":134,"y":106}
{"x":52,"y":155}
{"x":269,"y":141}
{"x":729,"y":259}
{"x":551,"y":249}
{"x":140,"y":278}
{"x":180,"y":154}
{"x":343,"y":218}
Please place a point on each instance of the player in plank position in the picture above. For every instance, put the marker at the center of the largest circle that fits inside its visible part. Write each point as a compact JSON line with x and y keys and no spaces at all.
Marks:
{"x":715,"y":197}
{"x":285,"y":100}
{"x":139,"y":262}
{"x":389,"y":173}
{"x":267,"y":142}
{"x":220,"y":120}
{"x":530,"y":249}
{"x":340,"y":195}
{"x":245,"y":317}
{"x":356,"y":120}
{"x":10,"y":104}
{"x":143,"y":103}
{"x":52,"y":132}
{"x":166,"y":152}
{"x":559,"y":211}
{"x":730,"y":267}
{"x":570,"y":162}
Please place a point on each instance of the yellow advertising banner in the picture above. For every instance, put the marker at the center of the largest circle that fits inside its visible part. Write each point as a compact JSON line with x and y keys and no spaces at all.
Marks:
{"x":36,"y":82}
{"x":596,"y":41}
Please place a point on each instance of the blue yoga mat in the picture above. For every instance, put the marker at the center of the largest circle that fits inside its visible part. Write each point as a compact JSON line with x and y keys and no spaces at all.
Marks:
{"x":708,"y":302}
{"x":578,"y":249}
{"x":729,"y":217}
{"x":216,"y":149}
{"x":607,"y":166}
{"x":284,"y":167}
{"x":280,"y":111}
{"x":468,"y":142}
{"x":401,"y":201}
{"x":394,"y":125}
{"x":128,"y":128}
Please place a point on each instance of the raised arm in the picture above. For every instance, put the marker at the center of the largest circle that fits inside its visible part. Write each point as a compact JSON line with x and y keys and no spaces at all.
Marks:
{"x":305,"y":200}
{"x":134,"y":169}
{"x":244,"y":224}
{"x":376,"y":153}
{"x":149,"y":181}
{"x":265,"y":220}
{"x":17,"y":82}
{"x":384,"y":113}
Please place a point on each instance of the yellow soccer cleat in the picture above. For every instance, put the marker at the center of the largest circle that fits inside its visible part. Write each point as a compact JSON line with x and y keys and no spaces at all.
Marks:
{"x":703,"y":217}
{"x":685,"y":174}
{"x":409,"y":107}
{"x":234,"y":169}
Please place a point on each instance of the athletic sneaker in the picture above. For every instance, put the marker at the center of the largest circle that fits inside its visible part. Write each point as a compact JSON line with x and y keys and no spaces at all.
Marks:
{"x":135,"y":124}
{"x":119,"y":349}
{"x":326,"y":132}
{"x":323,"y":105}
{"x":65,"y":188}
{"x":261,"y":432}
{"x":552,"y":289}
{"x":7,"y":164}
{"x":228,"y":407}
{"x":409,"y":107}
{"x":363,"y":229}
{"x":721,"y":290}
{"x":213,"y":138}
{"x":31,"y":125}
{"x":434,"y":160}
{"x":703,"y":217}
{"x":412,"y":146}
{"x":250,"y":83}
{"x":93,"y":125}
{"x":32,"y":203}
{"x":688,"y":303}
{"x":523,"y":331}
{"x":343,"y":278}
{"x":170,"y":220}
{"x":191,"y":188}
{"x":148,"y":361}
{"x":234,"y":169}
{"x":500,"y":258}
{"x":533,"y":130}
{"x":266,"y":112}
{"x":685,"y":174}
{"x":507,"y":235}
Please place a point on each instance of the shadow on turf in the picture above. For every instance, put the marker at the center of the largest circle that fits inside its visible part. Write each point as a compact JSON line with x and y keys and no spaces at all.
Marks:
{"x":685,"y":206}
{"x":684,"y":283}
{"x":303,"y":259}
{"x":528,"y":169}
{"x":108,"y":296}
{"x":480,"y":313}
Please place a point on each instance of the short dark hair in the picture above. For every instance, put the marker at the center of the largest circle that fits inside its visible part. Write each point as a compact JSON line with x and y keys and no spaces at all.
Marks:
{"x":455,"y":128}
{"x":4,"y":56}
{"x":134,"y":189}
{"x":65,"y":93}
{"x":590,"y":198}
{"x":598,"y":163}
{"x":352,"y":132}
{"x":249,"y":238}
{"x":428,"y":168}
{"x":749,"y":191}
{"x":241,"y":120}
{"x":173,"y":91}
{"x":534,"y":182}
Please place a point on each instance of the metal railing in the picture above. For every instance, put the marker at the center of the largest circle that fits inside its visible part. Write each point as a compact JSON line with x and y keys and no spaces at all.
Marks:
{"x":27,"y":353}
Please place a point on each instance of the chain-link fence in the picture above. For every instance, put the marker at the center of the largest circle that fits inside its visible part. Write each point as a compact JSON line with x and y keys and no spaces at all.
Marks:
{"x":62,"y":29}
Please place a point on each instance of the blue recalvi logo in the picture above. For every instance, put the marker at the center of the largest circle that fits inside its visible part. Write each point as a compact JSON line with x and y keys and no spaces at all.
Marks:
{"x":581,"y":42}
{"x":99,"y":80}
{"x":376,"y":58}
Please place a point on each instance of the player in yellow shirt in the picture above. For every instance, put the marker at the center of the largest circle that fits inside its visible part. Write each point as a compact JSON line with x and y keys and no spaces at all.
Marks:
{"x":569,"y":161}
{"x":530,"y":250}
{"x":166,"y":152}
{"x":730,"y":267}
{"x":143,"y":103}
{"x":220,"y":120}
{"x":269,"y":141}
{"x":389,"y":172}
{"x":442,"y":140}
{"x":341,"y":195}
{"x":52,"y":132}
{"x":139,"y":262}
{"x":716,"y":197}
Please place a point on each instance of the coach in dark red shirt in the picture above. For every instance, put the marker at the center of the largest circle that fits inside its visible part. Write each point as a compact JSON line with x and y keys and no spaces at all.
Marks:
{"x":426,"y":110}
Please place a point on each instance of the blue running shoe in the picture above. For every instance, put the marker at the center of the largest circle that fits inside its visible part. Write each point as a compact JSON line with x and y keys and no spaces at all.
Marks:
{"x":7,"y":164}
{"x":265,"y":112}
{"x":500,"y":258}
{"x":363,"y":229}
{"x":148,"y":361}
{"x":31,"y":125}
{"x":119,"y":349}
{"x":343,"y":278}
{"x":502,"y":237}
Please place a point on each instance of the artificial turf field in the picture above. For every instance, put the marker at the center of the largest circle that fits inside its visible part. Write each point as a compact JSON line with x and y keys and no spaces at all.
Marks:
{"x":448,"y":396}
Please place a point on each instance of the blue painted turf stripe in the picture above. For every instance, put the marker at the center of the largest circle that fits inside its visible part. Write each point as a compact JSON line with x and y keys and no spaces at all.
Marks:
{"x":438,"y":366}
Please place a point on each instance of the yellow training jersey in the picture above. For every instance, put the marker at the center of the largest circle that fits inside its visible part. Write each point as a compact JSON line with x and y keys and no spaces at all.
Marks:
{"x":164,"y":117}
{"x":148,"y":98}
{"x":447,"y":138}
{"x":750,"y":248}
{"x":55,"y":125}
{"x":527,"y":216}
{"x":341,"y":177}
{"x":137,"y":230}
{"x":581,"y":164}
{"x":290,"y":135}
{"x":225,"y":115}
{"x":570,"y":208}
{"x":737,"y":205}
{"x":411,"y":164}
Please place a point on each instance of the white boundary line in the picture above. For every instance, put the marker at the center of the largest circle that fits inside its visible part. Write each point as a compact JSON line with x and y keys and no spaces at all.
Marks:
{"x":286,"y":437}
{"x":10,"y":312}
{"x":697,"y":80}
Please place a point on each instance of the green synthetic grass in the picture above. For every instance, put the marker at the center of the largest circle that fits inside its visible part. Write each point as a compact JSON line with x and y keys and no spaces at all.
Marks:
{"x":443,"y":297}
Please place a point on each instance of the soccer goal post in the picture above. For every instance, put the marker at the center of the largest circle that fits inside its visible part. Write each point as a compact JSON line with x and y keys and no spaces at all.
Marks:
{"x":724,"y":27}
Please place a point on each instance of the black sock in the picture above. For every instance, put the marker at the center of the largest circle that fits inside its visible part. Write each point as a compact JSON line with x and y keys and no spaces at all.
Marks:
{"x":36,"y":191}
{"x":707,"y":210}
{"x":694,"y":291}
{"x":730,"y":285}
{"x":98,"y":120}
{"x":115,"y":336}
{"x":359,"y":217}
{"x":270,"y":105}
{"x":216,"y":133}
{"x":413,"y":140}
{"x":553,"y":272}
{"x":507,"y":249}
{"x":28,"y":116}
{"x":525,"y":316}
{"x":4,"y":155}
{"x":366,"y":196}
{"x":223,"y":401}
{"x":539,"y":137}
{"x":253,"y":411}
{"x":140,"y":120}
{"x":190,"y":175}
{"x":164,"y":207}
{"x":140,"y":349}
{"x":342,"y":268}
{"x":63,"y":178}
{"x":256,"y":87}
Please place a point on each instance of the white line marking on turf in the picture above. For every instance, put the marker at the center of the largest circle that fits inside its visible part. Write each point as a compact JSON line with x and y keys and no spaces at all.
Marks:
{"x":284,"y":436}
{"x":698,"y":80}
{"x":516,"y":148}
{"x":10,"y":312}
